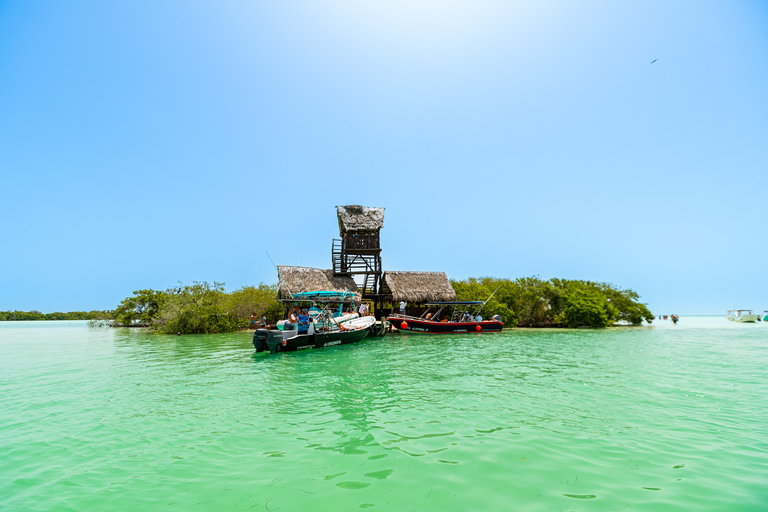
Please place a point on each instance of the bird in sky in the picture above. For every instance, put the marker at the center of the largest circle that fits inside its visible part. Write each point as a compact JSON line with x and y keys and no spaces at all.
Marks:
{"x":654,"y":60}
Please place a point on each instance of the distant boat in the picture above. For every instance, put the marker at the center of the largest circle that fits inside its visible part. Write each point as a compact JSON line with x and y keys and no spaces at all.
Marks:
{"x":742,"y":315}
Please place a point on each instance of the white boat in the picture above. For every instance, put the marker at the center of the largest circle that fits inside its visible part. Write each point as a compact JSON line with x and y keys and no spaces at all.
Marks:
{"x":363,"y":322}
{"x":331,"y":321}
{"x":742,"y":315}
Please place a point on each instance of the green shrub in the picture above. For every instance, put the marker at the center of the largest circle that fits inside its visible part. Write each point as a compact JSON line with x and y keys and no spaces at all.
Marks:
{"x":533,"y":302}
{"x":584,"y":308}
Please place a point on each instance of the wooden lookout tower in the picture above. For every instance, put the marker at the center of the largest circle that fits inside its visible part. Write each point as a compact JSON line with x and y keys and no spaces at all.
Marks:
{"x":357,"y":253}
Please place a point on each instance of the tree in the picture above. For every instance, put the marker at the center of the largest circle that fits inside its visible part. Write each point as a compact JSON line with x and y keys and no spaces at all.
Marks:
{"x":196,"y":309}
{"x":140,"y":310}
{"x":255,"y":300}
{"x":584,"y":307}
{"x":533,"y":302}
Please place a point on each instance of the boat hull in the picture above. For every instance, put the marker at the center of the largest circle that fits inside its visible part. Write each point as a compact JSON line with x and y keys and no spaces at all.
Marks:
{"x":275,"y":342}
{"x":419,"y":326}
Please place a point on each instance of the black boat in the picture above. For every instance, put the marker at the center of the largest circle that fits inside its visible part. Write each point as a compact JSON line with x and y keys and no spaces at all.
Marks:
{"x":327,"y":332}
{"x":289,"y":341}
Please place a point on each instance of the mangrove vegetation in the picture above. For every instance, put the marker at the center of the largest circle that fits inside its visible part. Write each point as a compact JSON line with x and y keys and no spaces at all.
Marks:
{"x":524,"y":302}
{"x":199,"y":308}
{"x":533,"y":302}
{"x":207,"y":308}
{"x":37,"y":315}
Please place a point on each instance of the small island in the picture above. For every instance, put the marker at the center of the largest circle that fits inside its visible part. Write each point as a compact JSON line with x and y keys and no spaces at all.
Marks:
{"x":523,"y":302}
{"x":356,"y":267}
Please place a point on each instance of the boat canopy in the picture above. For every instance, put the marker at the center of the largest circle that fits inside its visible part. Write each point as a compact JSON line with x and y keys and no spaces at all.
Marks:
{"x":323,"y":296}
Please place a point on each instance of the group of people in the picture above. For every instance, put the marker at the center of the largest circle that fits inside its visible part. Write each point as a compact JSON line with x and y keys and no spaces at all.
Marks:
{"x":254,"y":319}
{"x":466,"y":317}
{"x":674,"y":318}
{"x":300,"y":319}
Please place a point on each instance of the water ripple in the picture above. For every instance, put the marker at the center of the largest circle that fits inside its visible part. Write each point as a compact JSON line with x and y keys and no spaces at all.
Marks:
{"x":662,"y":419}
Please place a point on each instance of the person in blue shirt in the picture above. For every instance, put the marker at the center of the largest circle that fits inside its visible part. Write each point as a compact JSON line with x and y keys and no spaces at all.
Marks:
{"x":303,"y":321}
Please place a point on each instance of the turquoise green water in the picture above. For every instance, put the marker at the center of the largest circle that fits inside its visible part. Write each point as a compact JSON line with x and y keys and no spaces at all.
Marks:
{"x":653,"y":418}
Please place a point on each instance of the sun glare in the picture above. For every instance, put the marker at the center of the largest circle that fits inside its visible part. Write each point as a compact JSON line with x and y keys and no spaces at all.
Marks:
{"x":428,"y":25}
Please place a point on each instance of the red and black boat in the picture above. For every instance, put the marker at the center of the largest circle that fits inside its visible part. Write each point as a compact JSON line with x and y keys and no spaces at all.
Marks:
{"x":447,"y":318}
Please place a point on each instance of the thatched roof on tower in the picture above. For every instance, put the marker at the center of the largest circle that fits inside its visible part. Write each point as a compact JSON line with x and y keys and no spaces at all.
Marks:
{"x":305,"y":279}
{"x":417,"y":287}
{"x":359,"y":219}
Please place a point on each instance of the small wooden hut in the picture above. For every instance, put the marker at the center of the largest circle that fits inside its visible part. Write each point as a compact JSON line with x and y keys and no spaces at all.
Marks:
{"x":357,"y":254}
{"x":305,"y":279}
{"x":416,"y":288}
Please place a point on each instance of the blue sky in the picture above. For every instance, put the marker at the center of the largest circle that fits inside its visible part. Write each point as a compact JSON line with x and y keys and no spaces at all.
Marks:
{"x":144,"y":143}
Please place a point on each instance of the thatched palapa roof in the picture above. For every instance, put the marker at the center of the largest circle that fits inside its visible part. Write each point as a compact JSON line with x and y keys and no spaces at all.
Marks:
{"x":359,"y":219}
{"x":304,"y":279}
{"x":417,"y":287}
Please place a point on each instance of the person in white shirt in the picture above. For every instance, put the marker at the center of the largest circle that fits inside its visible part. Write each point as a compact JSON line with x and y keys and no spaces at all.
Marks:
{"x":294,"y":318}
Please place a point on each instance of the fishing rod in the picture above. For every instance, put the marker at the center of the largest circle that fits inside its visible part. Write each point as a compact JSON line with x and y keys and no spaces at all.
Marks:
{"x":273,"y":264}
{"x":489,"y":298}
{"x":279,"y":280}
{"x":486,"y":300}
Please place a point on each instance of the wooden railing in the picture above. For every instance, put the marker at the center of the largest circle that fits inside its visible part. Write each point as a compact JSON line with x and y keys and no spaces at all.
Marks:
{"x":352,"y":241}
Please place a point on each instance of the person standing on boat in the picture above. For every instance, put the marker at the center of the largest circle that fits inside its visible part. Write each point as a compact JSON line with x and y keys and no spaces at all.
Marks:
{"x":303,"y":321}
{"x":402,"y":307}
{"x":361,"y":309}
{"x":293,"y":319}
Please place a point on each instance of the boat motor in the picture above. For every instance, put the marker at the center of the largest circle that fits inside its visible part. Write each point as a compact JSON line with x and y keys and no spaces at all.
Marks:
{"x":275,"y":340}
{"x":260,"y":339}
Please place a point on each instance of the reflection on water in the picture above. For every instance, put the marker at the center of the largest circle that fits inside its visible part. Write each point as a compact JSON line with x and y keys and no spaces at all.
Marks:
{"x":655,"y":417}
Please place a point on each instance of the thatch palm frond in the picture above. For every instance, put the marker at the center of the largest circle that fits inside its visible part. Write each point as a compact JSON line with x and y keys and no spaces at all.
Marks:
{"x":305,"y":279}
{"x":359,"y":219}
{"x":417,"y":287}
